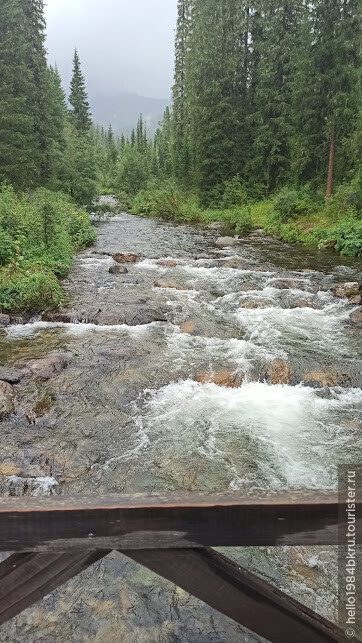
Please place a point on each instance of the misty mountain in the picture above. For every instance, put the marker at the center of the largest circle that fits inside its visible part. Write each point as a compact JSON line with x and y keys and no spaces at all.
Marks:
{"x":122,"y":111}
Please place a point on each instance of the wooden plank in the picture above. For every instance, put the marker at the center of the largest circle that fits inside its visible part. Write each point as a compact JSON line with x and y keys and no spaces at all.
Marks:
{"x":27,"y":578}
{"x":176,"y":521}
{"x":240,"y":595}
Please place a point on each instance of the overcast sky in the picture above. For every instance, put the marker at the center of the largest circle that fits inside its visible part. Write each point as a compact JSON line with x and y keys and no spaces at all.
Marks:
{"x":123,"y":44}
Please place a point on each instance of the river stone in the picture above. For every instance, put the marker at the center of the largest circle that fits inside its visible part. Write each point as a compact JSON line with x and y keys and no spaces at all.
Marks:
{"x":60,"y":316}
{"x":142,"y":315}
{"x":356,"y":300}
{"x":329,"y":377}
{"x":346,"y":290}
{"x":11,"y":375}
{"x":4,"y":320}
{"x":216,"y":225}
{"x":167,"y":263}
{"x":302,"y":303}
{"x":223,"y":378}
{"x":7,"y":400}
{"x":118,"y":270}
{"x":235,"y":263}
{"x":356,"y":316}
{"x":126,"y":257}
{"x":285,"y":284}
{"x":227,"y":241}
{"x":188,"y":327}
{"x":278,"y":372}
{"x":48,"y":367}
{"x":169,"y":283}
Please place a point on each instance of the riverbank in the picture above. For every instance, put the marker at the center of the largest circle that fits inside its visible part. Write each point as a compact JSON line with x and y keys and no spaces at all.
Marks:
{"x":39,"y":234}
{"x":291,"y":215}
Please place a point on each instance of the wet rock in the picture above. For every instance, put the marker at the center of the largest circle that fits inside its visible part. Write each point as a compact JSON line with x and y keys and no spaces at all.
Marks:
{"x":188,"y":327}
{"x":346,"y":290}
{"x":142,"y":315}
{"x":329,"y":377}
{"x":285,"y":284}
{"x":223,"y":378}
{"x":11,"y":375}
{"x":16,"y":486}
{"x":223,"y":242}
{"x":118,"y":270}
{"x":278,"y":372}
{"x":169,"y":283}
{"x":235,"y":263}
{"x":48,"y":367}
{"x":355,"y":300}
{"x":167,"y":263}
{"x":356,"y":316}
{"x":18,"y":320}
{"x":4,"y":320}
{"x":126,"y":257}
{"x":302,"y":303}
{"x":258,"y":233}
{"x":7,"y":400}
{"x":60,"y":316}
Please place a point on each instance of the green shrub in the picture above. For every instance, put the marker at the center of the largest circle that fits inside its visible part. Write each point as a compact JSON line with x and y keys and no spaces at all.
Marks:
{"x":345,"y":236}
{"x":29,"y":291}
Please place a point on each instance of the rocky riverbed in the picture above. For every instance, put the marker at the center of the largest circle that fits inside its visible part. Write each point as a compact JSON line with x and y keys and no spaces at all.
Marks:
{"x":182,"y":360}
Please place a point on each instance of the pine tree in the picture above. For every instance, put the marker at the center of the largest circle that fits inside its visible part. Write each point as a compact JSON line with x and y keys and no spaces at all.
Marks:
{"x":80,"y":113}
{"x":56,"y":119}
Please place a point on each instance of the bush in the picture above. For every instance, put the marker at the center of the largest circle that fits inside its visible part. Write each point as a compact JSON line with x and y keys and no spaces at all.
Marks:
{"x":38,"y":235}
{"x":229,"y":194}
{"x":345,"y":236}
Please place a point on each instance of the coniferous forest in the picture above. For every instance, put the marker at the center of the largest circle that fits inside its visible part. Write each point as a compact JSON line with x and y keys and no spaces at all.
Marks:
{"x":265,"y":131}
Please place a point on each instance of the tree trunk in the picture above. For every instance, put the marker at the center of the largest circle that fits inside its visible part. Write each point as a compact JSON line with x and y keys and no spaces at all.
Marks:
{"x":331,"y":164}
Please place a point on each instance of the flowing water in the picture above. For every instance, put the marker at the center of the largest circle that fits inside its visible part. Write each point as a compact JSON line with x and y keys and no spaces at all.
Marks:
{"x":137,"y":410}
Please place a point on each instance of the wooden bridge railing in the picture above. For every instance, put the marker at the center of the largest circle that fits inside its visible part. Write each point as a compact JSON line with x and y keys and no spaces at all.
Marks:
{"x":56,"y":538}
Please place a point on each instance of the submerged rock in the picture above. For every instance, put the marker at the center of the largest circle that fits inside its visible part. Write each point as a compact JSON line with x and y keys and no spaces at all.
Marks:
{"x":223,"y":378}
{"x":167,"y":263}
{"x":277,"y":372}
{"x":169,"y":283}
{"x":126,"y":257}
{"x":235,"y":263}
{"x":48,"y":367}
{"x":285,"y":284}
{"x":118,"y":270}
{"x":227,"y":241}
{"x":346,"y":290}
{"x":7,"y":400}
{"x":11,"y":375}
{"x":329,"y":377}
{"x":356,"y":316}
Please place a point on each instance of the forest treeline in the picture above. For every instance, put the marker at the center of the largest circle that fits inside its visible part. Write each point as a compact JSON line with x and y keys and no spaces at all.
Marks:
{"x":265,"y":130}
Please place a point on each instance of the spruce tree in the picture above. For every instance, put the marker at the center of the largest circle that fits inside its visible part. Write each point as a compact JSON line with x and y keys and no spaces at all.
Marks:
{"x":78,"y":98}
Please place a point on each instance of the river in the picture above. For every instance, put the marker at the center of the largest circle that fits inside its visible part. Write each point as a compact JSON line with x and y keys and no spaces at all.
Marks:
{"x":139,"y":408}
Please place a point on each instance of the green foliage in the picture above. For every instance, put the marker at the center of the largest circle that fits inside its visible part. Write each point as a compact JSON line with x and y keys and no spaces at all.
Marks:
{"x":229,"y":194}
{"x":79,"y":113}
{"x":345,"y":236}
{"x":38,"y":235}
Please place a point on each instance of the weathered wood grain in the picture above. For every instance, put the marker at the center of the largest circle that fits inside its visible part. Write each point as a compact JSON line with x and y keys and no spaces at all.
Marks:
{"x":27,"y":578}
{"x":175,"y":520}
{"x":240,"y":595}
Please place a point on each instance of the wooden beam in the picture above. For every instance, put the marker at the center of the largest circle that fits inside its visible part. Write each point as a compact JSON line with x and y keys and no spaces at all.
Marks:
{"x":240,"y":595}
{"x":27,"y":578}
{"x":169,"y":521}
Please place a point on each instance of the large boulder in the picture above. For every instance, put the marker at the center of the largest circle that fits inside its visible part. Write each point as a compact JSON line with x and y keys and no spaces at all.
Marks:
{"x":347,"y":290}
{"x":356,"y":316}
{"x":7,"y":400}
{"x":60,"y":316}
{"x":118,"y":270}
{"x":126,"y":257}
{"x":17,"y":486}
{"x":223,"y":378}
{"x":11,"y":375}
{"x":224,"y":242}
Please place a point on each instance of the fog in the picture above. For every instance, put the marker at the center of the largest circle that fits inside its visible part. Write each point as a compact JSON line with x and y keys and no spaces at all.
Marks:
{"x":124,"y":45}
